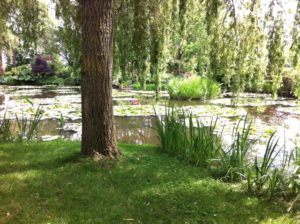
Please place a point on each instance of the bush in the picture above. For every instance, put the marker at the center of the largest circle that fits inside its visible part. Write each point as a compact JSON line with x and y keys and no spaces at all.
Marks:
{"x":193,"y":88}
{"x":19,"y":75}
{"x":40,"y":66}
{"x":8,"y":80}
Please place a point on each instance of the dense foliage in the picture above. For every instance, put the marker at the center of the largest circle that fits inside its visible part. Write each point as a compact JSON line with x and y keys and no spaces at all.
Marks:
{"x":237,"y":43}
{"x":244,"y":45}
{"x":193,"y":88}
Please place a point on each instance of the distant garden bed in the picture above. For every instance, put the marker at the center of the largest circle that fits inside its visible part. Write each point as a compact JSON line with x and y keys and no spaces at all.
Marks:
{"x":41,"y":72}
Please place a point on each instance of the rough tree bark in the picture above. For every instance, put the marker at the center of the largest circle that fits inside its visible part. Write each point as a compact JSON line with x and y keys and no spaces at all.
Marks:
{"x":98,"y":134}
{"x":1,"y":64}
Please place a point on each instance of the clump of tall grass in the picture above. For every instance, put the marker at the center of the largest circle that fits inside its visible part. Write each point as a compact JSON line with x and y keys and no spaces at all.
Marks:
{"x":234,"y":160}
{"x":28,"y":126}
{"x":267,"y":178}
{"x":263,"y":172}
{"x":193,"y":88}
{"x":179,"y":136}
{"x":183,"y":136}
{"x":5,"y":130}
{"x":169,"y":132}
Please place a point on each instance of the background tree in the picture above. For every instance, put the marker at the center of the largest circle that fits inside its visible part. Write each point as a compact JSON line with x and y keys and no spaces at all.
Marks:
{"x":276,"y":58}
{"x":141,"y":39}
{"x":69,"y":31}
{"x":123,"y":37}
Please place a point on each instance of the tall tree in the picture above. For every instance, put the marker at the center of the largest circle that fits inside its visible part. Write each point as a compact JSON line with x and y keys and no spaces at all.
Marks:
{"x":295,"y":47}
{"x":68,"y":33}
{"x":156,"y":40}
{"x":140,"y":39}
{"x":123,"y":33}
{"x":276,"y":59}
{"x":98,"y":134}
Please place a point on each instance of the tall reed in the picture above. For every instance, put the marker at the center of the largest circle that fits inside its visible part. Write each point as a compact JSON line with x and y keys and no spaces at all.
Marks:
{"x":234,"y":160}
{"x":181,"y":136}
{"x":5,"y":130}
{"x":27,"y":127}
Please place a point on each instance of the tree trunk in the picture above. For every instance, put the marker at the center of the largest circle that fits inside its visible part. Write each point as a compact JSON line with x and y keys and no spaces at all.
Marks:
{"x":1,"y":64}
{"x":98,"y":134}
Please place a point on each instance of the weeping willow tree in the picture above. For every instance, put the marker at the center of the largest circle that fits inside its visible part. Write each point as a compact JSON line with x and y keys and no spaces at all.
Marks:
{"x":22,"y":24}
{"x":123,"y":40}
{"x":141,"y":39}
{"x":256,"y":48}
{"x":69,"y":31}
{"x":295,"y":46}
{"x":276,"y":58}
{"x":156,"y":40}
{"x":294,"y":51}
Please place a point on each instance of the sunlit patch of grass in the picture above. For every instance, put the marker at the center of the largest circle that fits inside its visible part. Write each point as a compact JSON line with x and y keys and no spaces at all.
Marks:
{"x":52,"y":183}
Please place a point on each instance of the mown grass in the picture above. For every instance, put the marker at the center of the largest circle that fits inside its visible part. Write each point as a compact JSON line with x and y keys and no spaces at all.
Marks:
{"x":51,"y":183}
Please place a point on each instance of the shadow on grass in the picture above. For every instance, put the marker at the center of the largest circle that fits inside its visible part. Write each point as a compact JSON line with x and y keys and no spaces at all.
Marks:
{"x":144,"y":186}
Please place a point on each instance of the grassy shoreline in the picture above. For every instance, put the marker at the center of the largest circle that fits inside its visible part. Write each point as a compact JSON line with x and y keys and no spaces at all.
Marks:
{"x":50,"y":182}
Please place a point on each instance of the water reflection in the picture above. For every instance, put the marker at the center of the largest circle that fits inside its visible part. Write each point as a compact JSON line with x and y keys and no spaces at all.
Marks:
{"x":282,"y":115}
{"x":134,"y":130}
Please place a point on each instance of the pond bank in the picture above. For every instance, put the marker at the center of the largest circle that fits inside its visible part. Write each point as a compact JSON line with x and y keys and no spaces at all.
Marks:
{"x":134,"y":113}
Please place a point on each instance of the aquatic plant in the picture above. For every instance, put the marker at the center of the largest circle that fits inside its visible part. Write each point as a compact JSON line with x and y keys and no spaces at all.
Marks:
{"x":203,"y":145}
{"x":169,"y":133}
{"x":267,"y":178}
{"x":196,"y":143}
{"x":5,"y":130}
{"x":234,"y":160}
{"x":28,"y":126}
{"x":185,"y":137}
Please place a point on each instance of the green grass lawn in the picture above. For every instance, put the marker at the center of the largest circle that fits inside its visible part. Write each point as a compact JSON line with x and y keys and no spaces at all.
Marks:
{"x":51,"y":183}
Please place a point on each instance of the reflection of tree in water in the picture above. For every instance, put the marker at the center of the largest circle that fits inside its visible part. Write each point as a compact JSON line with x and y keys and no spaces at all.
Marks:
{"x":136,"y":130}
{"x":268,"y":114}
{"x":2,"y":98}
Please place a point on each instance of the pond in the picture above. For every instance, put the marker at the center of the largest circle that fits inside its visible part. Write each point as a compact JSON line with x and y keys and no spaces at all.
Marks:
{"x":134,"y":113}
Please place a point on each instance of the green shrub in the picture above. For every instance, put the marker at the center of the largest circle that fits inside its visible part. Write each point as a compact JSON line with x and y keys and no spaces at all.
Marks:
{"x":8,"y":80}
{"x":22,"y":75}
{"x":57,"y":66}
{"x":136,"y":86}
{"x":18,"y":75}
{"x":193,"y":88}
